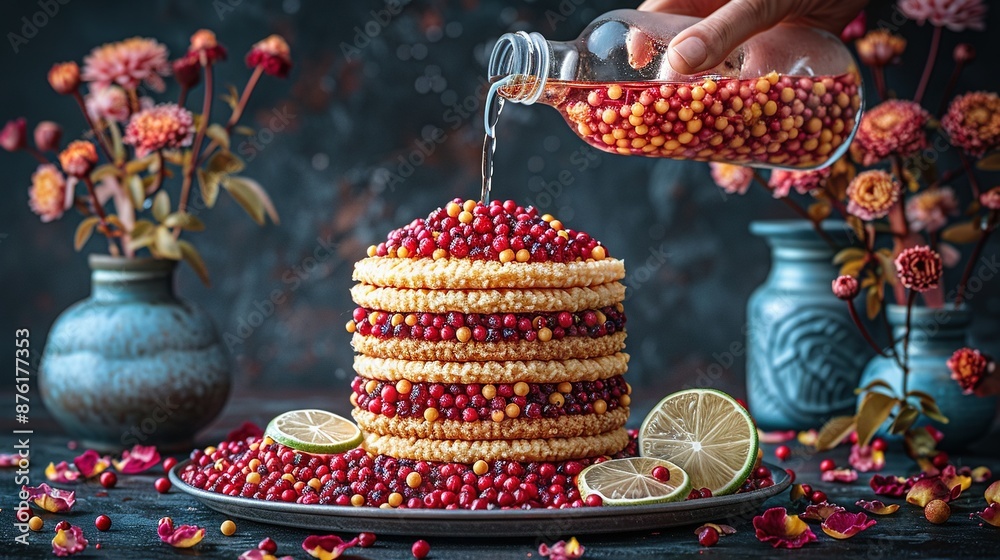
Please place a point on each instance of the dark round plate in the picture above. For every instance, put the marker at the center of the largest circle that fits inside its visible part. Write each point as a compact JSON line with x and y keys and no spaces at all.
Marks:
{"x":544,"y":523}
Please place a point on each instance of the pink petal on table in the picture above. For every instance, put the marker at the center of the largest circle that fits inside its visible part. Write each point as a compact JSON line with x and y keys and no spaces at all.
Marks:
{"x":91,"y":464}
{"x":9,"y":460}
{"x":562,"y":550}
{"x":877,"y":507}
{"x":981,"y":474}
{"x":866,"y":459}
{"x":992,"y":493}
{"x":723,"y":530}
{"x":181,"y":536}
{"x":327,"y":547}
{"x":50,"y":499}
{"x":68,"y":542}
{"x":258,"y":554}
{"x":140,"y":458}
{"x":895,"y":486}
{"x":952,"y":478}
{"x":820,"y":511}
{"x":928,"y":489}
{"x":844,"y":525}
{"x":63,"y":473}
{"x":840,"y":475}
{"x":990,"y":515}
{"x":776,"y":437}
{"x":775,"y":526}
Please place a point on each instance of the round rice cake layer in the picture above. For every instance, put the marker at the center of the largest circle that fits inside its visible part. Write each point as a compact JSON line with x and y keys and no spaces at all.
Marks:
{"x":501,"y":300}
{"x":567,"y":348}
{"x":461,"y":451}
{"x":507,"y":429}
{"x":529,"y":371}
{"x":466,"y":274}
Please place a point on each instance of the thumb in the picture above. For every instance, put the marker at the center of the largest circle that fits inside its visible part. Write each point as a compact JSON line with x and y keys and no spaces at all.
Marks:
{"x":708,"y":42}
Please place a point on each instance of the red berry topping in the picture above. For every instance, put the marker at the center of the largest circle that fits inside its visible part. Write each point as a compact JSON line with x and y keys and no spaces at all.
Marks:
{"x":420,"y":549}
{"x":817,"y":497}
{"x":827,"y":465}
{"x":366,"y":540}
{"x":162,"y":485}
{"x":783,"y":452}
{"x":661,"y":473}
{"x":108,"y":479}
{"x":169,"y":463}
{"x":103,"y":523}
{"x":708,"y":537}
{"x":762,"y":472}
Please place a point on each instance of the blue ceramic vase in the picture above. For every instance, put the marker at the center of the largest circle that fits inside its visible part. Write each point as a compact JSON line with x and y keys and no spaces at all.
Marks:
{"x":132,"y":363}
{"x":804,"y":354}
{"x":934,"y":335}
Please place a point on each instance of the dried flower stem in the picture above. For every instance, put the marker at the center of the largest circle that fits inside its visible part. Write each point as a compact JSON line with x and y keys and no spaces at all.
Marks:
{"x":929,"y":67}
{"x":133,"y":100}
{"x":973,"y":182}
{"x":206,"y":112}
{"x":878,"y":72}
{"x":101,"y":216}
{"x":36,"y":154}
{"x":800,"y":211}
{"x":906,"y":338}
{"x":101,"y":140}
{"x":971,"y":265}
{"x":182,"y":98}
{"x":950,"y":88}
{"x":864,"y":331}
{"x":240,"y":107}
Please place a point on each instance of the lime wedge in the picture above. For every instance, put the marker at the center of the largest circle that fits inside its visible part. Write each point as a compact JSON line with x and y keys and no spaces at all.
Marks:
{"x":707,"y":433}
{"x":314,"y":431}
{"x":630,"y":482}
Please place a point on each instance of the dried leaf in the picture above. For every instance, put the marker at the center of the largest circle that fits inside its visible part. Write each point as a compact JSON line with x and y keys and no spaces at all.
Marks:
{"x":137,"y":166}
{"x":931,"y":410}
{"x":136,"y":191}
{"x":989,"y":162}
{"x":965,"y":232}
{"x":873,"y":384}
{"x":142,"y":228}
{"x":872,"y":413}
{"x":246,"y":197}
{"x":852,"y":268}
{"x":848,"y":254}
{"x":184,"y":221}
{"x":218,"y":133}
{"x":208,"y":184}
{"x":819,"y":211}
{"x":161,"y":206}
{"x":873,"y":302}
{"x":84,"y":231}
{"x":103,"y":172}
{"x":244,"y":130}
{"x":834,"y":432}
{"x":904,"y":420}
{"x":225,"y":163}
{"x":272,"y":212}
{"x":165,"y":244}
{"x":193,"y":258}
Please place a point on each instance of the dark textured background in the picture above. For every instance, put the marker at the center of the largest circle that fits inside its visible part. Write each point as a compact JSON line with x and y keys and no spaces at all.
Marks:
{"x":354,"y":108}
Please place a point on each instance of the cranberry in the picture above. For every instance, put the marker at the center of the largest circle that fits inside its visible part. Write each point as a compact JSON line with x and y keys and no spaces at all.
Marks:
{"x":420,"y":549}
{"x":593,"y":500}
{"x":705,"y":493}
{"x":103,"y":523}
{"x":162,"y":485}
{"x":817,"y":497}
{"x":366,"y":540}
{"x":940,"y":460}
{"x":827,"y":465}
{"x":782,"y":452}
{"x":879,"y":444}
{"x":761,"y":472}
{"x":791,"y":474}
{"x":661,"y":473}
{"x":708,"y":537}
{"x":108,"y":479}
{"x":268,"y":545}
{"x":169,"y":463}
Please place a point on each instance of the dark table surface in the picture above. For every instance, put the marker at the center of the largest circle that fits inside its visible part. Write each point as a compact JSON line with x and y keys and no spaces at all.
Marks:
{"x":134,"y":507}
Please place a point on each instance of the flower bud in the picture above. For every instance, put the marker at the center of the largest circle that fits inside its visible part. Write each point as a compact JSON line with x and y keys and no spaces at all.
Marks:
{"x":47,"y":136}
{"x":78,"y":158}
{"x":64,"y":77}
{"x":845,"y":287}
{"x":203,"y":42}
{"x":272,"y":54}
{"x":187,"y":70}
{"x":964,"y":53}
{"x":14,"y":135}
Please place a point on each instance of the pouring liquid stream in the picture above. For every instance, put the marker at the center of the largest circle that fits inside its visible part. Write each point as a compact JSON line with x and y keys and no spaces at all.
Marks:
{"x":491,"y":114}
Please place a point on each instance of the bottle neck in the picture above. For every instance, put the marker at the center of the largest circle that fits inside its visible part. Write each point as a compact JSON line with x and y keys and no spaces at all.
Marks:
{"x":519,"y":67}
{"x":123,"y":280}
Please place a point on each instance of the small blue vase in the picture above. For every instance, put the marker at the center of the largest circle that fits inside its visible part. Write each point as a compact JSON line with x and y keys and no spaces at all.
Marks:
{"x":934,"y":335}
{"x":132,"y":364}
{"x":804,"y":354}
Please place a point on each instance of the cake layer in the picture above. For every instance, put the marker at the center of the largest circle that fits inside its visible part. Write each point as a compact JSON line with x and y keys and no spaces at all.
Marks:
{"x":567,"y":348}
{"x":509,"y":429}
{"x":532,"y":300}
{"x":461,"y":451}
{"x":533,"y":371}
{"x":451,"y":273}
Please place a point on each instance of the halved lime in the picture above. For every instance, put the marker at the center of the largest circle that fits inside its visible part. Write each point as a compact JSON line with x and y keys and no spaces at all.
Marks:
{"x":707,"y":433}
{"x":630,"y":482}
{"x":314,"y":431}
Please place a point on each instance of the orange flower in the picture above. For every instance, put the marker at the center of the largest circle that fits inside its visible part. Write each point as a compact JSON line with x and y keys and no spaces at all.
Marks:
{"x":78,"y":158}
{"x":204,"y":41}
{"x":967,"y":367}
{"x":973,"y":122}
{"x":272,"y":54}
{"x":64,"y":77}
{"x":127,"y":63}
{"x":880,"y":47}
{"x":164,"y":126}
{"x":871,"y":194}
{"x":892,"y":127}
{"x":734,"y":179}
{"x":47,"y":195}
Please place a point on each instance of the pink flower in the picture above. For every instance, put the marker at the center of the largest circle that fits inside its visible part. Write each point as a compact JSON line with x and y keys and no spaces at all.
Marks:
{"x":855,"y":29}
{"x":50,"y":499}
{"x":919,"y":268}
{"x":47,"y":136}
{"x":127,"y":63}
{"x":140,"y":458}
{"x":973,"y":122}
{"x":204,"y":42}
{"x":930,"y":209}
{"x":956,"y":15}
{"x":163,"y":126}
{"x":187,"y":70}
{"x":844,"y":525}
{"x":272,"y":54}
{"x":991,"y":198}
{"x":109,"y":103}
{"x":14,"y":135}
{"x":182,"y":536}
{"x":782,"y":181}
{"x":78,"y":158}
{"x":871,"y":194}
{"x":968,"y":366}
{"x":845,"y":287}
{"x":48,"y":195}
{"x":68,"y":542}
{"x":734,"y":179}
{"x":782,"y":530}
{"x":893,"y":127}
{"x":64,"y":77}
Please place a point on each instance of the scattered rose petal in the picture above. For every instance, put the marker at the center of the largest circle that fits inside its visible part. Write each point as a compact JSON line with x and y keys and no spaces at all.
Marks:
{"x":91,"y":464}
{"x":877,"y":507}
{"x":327,"y":547}
{"x":895,"y":486}
{"x":840,"y":475}
{"x":68,"y":542}
{"x":562,"y":550}
{"x":63,"y":473}
{"x":928,"y":489}
{"x":951,"y":478}
{"x":820,"y":511}
{"x":182,"y":536}
{"x":723,"y":530}
{"x":245,"y":430}
{"x":777,"y":436}
{"x":844,"y":525}
{"x":808,"y":438}
{"x":866,"y":459}
{"x":981,"y":474}
{"x":990,"y":515}
{"x":782,"y":530}
{"x":992,"y":493}
{"x":8,"y":460}
{"x":797,"y":493}
{"x":139,"y":459}
{"x":50,"y":499}
{"x":258,"y":554}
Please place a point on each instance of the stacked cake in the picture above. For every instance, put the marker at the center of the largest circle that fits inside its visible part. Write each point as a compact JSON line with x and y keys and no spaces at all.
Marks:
{"x":488,"y":332}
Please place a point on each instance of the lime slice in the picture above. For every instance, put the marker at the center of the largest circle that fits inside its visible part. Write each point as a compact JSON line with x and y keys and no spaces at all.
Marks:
{"x":630,"y":482}
{"x":707,"y":433}
{"x":314,"y":431}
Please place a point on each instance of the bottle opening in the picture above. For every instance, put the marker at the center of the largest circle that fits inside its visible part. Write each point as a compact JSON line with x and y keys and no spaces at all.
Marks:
{"x":524,"y":59}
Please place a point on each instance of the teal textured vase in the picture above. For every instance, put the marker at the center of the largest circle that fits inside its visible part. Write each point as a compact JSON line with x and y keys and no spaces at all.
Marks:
{"x":804,"y":354}
{"x":133,"y":364}
{"x":934,"y":335}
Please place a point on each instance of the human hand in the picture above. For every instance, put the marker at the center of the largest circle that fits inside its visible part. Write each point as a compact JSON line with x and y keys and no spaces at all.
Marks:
{"x":728,"y":23}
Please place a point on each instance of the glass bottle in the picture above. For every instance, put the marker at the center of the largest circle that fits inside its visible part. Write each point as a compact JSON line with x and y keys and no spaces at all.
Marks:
{"x":790,"y":97}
